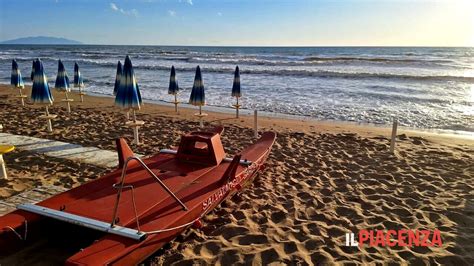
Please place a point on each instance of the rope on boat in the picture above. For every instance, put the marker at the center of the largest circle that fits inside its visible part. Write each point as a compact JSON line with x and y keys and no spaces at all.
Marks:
{"x":16,"y":233}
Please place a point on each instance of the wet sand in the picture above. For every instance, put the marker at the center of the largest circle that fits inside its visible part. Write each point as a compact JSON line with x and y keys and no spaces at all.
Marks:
{"x":323,"y":179}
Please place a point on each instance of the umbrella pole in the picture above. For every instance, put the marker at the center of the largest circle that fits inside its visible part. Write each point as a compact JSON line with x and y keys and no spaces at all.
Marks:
{"x":135,"y":129}
{"x":237,"y":108}
{"x":255,"y":124}
{"x":68,"y":104}
{"x":201,"y":124}
{"x":50,"y":126}
{"x":175,"y":102}
{"x":21,"y":97}
{"x":81,"y":94}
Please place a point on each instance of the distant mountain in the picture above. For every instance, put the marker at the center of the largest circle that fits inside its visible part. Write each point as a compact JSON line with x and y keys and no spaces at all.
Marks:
{"x":41,"y":40}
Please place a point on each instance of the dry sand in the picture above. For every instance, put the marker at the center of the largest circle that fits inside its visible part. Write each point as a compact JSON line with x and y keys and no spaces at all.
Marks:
{"x":323,"y":179}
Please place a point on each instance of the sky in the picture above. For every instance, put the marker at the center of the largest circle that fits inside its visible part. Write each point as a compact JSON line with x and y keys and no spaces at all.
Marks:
{"x":244,"y":22}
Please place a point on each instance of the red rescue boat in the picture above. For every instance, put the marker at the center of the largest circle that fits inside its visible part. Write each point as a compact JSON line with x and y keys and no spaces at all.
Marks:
{"x":125,"y":216}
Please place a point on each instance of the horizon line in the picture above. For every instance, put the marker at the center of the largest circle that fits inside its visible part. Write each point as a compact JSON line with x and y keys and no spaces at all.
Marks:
{"x":258,"y":46}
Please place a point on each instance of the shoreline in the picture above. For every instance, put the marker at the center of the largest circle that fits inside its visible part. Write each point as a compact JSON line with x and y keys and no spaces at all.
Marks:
{"x":265,"y":119}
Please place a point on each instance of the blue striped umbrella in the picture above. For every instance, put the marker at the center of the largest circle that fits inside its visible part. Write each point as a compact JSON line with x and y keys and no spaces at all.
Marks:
{"x":173,"y":89}
{"x":62,"y":80}
{"x":118,"y":76}
{"x":236,"y":87}
{"x":40,"y":92}
{"x":78,"y":82}
{"x":62,"y":84}
{"x":16,"y":80}
{"x":236,"y":90}
{"x":33,"y":71}
{"x":198,"y":97}
{"x":128,"y":94}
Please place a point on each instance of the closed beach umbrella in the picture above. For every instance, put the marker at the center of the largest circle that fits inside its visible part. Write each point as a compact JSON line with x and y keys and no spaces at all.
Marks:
{"x":128,"y":95}
{"x":78,"y":82}
{"x":198,"y":98}
{"x":173,"y":89}
{"x":17,"y":81}
{"x":62,"y":80}
{"x":118,"y":76}
{"x":40,"y":92}
{"x":236,"y":89}
{"x":62,"y":84}
{"x":236,"y":86}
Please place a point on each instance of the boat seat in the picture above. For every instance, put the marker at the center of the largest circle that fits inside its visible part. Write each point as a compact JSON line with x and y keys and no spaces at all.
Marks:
{"x":201,"y":147}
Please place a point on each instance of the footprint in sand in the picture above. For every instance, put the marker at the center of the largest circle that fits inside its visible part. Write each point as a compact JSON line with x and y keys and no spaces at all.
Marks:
{"x":253,"y":239}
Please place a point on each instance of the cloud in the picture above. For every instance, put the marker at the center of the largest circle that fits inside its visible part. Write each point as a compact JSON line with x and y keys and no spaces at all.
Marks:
{"x":172,"y":13}
{"x":219,"y":14}
{"x":187,"y":1}
{"x":131,"y":12}
{"x":114,"y":6}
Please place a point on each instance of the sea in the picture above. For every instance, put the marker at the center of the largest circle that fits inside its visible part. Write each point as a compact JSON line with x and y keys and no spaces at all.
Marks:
{"x":422,"y":87}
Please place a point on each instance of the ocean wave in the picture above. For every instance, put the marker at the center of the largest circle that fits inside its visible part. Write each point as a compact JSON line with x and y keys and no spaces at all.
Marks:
{"x":226,"y":66}
{"x":376,"y":59}
{"x":399,"y":97}
{"x":254,"y":59}
{"x":300,"y":73}
{"x":285,"y":61}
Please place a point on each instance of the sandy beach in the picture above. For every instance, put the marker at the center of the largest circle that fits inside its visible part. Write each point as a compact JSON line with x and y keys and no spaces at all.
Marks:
{"x":323,"y":180}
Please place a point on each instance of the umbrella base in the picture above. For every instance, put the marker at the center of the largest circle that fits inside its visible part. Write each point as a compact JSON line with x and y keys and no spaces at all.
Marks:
{"x":81,"y":94}
{"x":22,"y":98}
{"x":49,"y":117}
{"x":236,"y":106}
{"x":137,"y":123}
{"x":68,"y":101}
{"x":201,"y":115}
